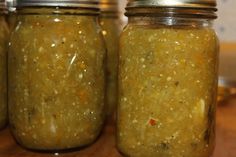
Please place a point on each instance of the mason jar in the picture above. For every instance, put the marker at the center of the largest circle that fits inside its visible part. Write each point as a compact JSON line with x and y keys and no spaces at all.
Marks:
{"x":12,"y":15}
{"x":56,"y":74}
{"x":110,"y":23}
{"x":168,"y":67}
{"x":3,"y":60}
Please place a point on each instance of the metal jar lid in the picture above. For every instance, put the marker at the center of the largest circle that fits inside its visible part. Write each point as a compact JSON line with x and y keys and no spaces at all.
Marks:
{"x":93,"y":4}
{"x":205,"y":4}
{"x":108,"y":5}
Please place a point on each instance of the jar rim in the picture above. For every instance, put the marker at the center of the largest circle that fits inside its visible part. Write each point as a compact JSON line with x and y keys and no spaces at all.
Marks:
{"x":198,"y":4}
{"x":92,"y":4}
{"x":110,"y":6}
{"x":171,"y":12}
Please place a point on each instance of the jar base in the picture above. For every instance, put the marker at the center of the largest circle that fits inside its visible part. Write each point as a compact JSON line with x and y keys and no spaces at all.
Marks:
{"x":58,"y":150}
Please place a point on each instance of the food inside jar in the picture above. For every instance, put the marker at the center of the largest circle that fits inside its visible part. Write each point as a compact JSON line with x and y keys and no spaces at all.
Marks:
{"x":56,"y":81}
{"x":167,"y":91}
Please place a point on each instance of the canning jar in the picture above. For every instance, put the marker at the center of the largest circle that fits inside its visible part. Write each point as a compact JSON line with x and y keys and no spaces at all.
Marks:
{"x":3,"y":58}
{"x":56,"y":74}
{"x":168,"y":66}
{"x":109,"y":21}
{"x":12,"y":15}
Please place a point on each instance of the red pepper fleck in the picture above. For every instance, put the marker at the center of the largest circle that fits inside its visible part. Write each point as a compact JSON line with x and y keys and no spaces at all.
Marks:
{"x":152,"y":122}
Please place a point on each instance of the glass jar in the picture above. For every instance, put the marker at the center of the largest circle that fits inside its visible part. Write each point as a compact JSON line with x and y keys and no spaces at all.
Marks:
{"x":56,"y":75}
{"x":168,"y":67}
{"x":3,"y":58}
{"x":109,"y":21}
{"x":11,"y":18}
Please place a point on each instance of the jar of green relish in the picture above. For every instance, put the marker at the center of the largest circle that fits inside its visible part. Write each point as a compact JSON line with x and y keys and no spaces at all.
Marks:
{"x":56,"y":74}
{"x":168,"y":79}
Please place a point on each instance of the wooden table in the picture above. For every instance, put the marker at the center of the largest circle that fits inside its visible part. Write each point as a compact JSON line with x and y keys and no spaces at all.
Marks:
{"x":105,"y":146}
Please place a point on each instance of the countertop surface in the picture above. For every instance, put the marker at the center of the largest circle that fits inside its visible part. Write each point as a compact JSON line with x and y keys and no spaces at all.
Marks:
{"x":105,"y":145}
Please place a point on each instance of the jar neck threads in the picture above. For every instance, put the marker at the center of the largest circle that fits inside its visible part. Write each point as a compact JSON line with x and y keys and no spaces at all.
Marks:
{"x":177,"y":22}
{"x":109,"y":8}
{"x":172,"y":12}
{"x":3,"y":7}
{"x":56,"y":11}
{"x":88,"y":4}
